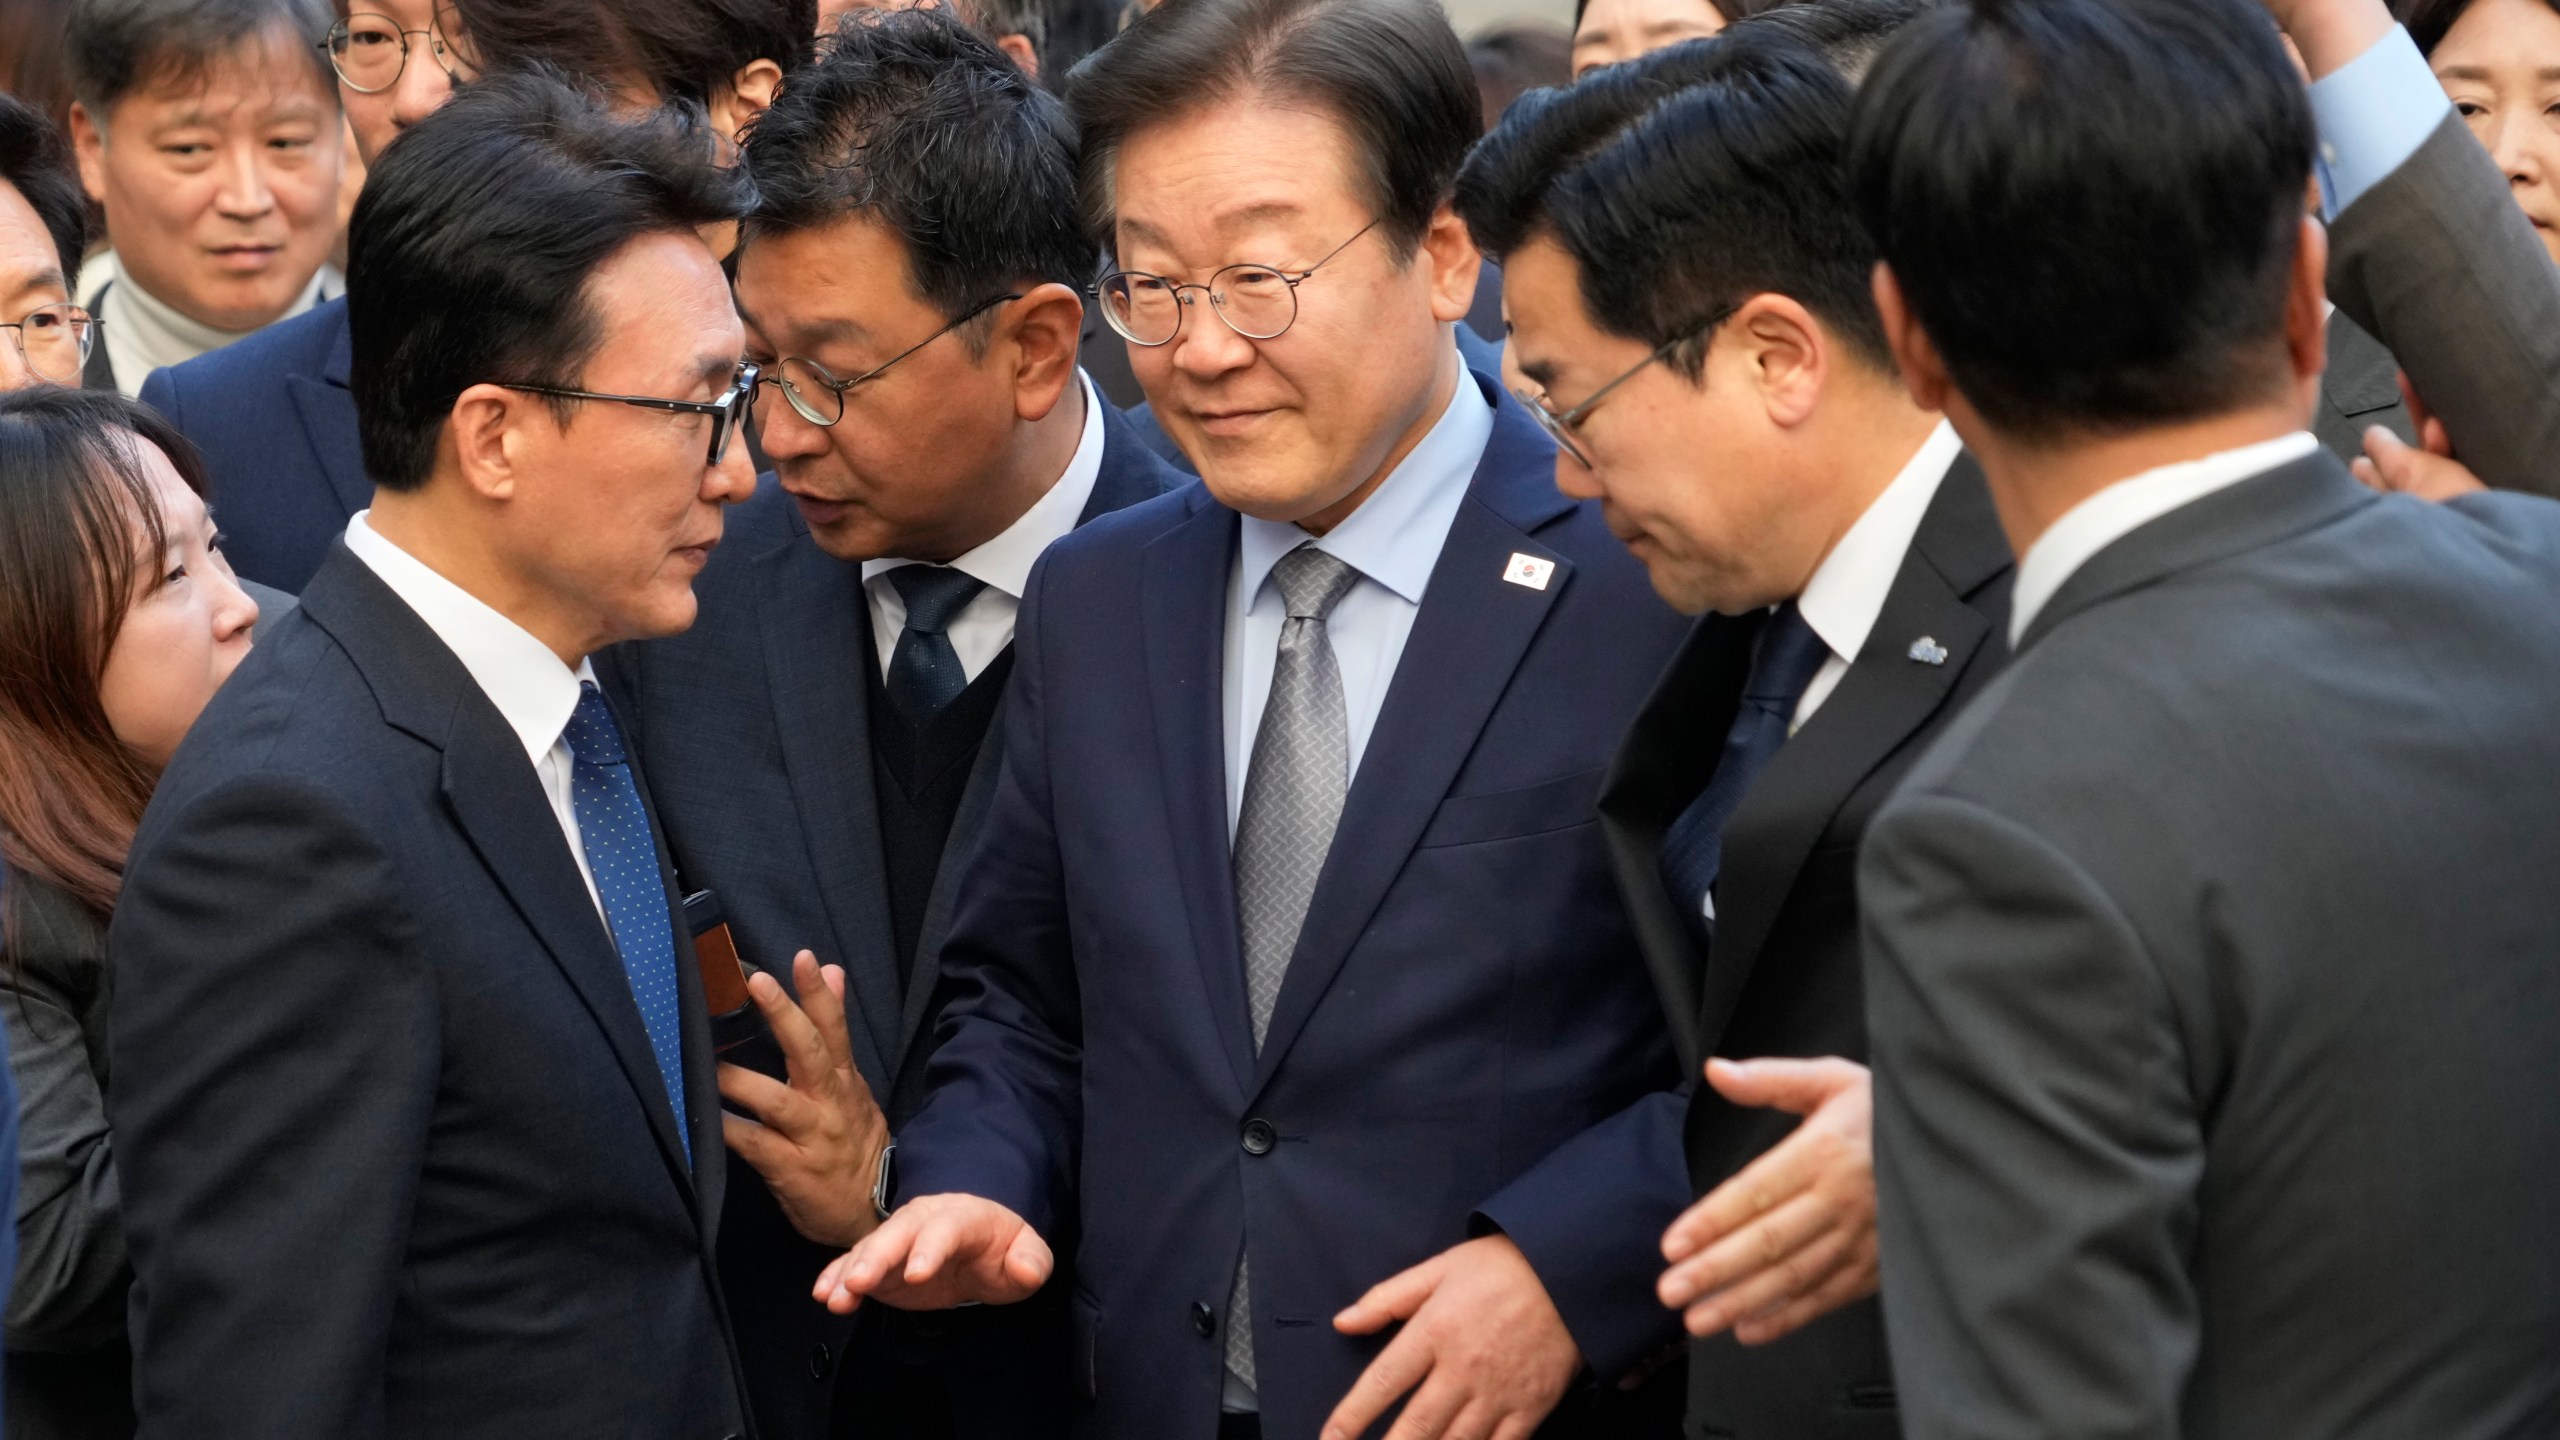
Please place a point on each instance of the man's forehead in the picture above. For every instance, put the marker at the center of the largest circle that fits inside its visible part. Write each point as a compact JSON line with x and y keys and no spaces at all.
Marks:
{"x":30,"y":266}
{"x":261,"y":77}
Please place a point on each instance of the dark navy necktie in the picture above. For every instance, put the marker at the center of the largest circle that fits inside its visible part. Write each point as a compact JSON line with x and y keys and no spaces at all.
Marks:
{"x":622,"y":854}
{"x":1788,"y":656}
{"x":924,"y":671}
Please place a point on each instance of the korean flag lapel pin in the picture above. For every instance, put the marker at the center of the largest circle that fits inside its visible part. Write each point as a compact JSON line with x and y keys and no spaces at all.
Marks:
{"x":1928,"y":651}
{"x":1529,"y":571}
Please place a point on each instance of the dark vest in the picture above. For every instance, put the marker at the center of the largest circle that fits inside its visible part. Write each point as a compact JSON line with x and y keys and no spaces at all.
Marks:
{"x":919,"y":776}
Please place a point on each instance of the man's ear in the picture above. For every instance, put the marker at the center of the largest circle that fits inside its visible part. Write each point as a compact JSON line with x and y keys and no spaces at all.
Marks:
{"x":89,"y":143}
{"x":482,"y":432}
{"x":1018,"y":46}
{"x":1924,"y":373}
{"x":2306,"y":309}
{"x":1785,"y":352}
{"x":1455,"y":262}
{"x":748,"y":94}
{"x":1045,"y":327}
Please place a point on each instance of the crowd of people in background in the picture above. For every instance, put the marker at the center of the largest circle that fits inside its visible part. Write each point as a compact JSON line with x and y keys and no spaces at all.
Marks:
{"x":1219,"y":718}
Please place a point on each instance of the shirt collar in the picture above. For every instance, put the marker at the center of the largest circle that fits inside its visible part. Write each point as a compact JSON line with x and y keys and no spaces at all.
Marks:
{"x":1004,"y":563}
{"x":533,"y":692}
{"x":1394,"y":538}
{"x":1846,"y":595}
{"x":2126,"y":506}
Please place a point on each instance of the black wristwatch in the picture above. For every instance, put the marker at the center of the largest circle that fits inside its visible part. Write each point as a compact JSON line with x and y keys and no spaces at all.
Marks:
{"x":881,"y":1179}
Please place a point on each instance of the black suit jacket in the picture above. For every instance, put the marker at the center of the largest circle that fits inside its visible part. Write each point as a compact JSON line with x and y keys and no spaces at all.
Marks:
{"x":755,"y":724}
{"x":1784,"y":978}
{"x":397,"y":1158}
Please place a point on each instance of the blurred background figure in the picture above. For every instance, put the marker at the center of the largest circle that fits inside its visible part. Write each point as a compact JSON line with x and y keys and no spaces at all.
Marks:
{"x":397,"y":61}
{"x":2499,"y":62}
{"x":210,"y":132}
{"x":1511,"y":60}
{"x":118,"y":621}
{"x":42,"y":232}
{"x":1608,"y":31}
{"x":1017,"y":27}
{"x":31,"y":68}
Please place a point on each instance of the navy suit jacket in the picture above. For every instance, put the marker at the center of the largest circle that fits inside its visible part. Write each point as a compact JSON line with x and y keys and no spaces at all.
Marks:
{"x":1467,"y":1020}
{"x":278,"y":430}
{"x":397,"y":1158}
{"x":756,"y":728}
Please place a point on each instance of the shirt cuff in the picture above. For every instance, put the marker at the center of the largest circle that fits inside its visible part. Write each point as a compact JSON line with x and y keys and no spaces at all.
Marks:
{"x":2373,"y":114}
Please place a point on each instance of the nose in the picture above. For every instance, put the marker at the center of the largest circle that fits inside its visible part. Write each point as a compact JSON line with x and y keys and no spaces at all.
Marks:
{"x":244,"y":194}
{"x":781,"y":431}
{"x":1208,"y":347}
{"x":235,"y":614}
{"x":1577,"y":480}
{"x":424,"y":85}
{"x":733,"y":479}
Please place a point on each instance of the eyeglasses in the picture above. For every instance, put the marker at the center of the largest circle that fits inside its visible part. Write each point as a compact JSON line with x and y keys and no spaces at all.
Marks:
{"x":1258,"y":302}
{"x":369,"y":51}
{"x":727,"y":413}
{"x":54,"y":340}
{"x":818,"y":396}
{"x":1560,"y":428}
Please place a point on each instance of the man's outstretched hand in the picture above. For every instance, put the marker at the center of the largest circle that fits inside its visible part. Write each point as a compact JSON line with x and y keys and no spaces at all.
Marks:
{"x":816,"y":1140}
{"x":938,"y":1251}
{"x":1792,"y":1237}
{"x":1483,"y":1351}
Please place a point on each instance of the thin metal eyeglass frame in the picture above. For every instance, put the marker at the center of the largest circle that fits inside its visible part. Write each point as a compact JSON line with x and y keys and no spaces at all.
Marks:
{"x":827,"y":378}
{"x":730,"y":412}
{"x":441,"y":47}
{"x":1216,"y":302}
{"x":1559,"y":427}
{"x":88,"y":339}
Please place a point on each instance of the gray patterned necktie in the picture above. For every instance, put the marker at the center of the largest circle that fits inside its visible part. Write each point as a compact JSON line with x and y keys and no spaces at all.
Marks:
{"x":1292,"y":799}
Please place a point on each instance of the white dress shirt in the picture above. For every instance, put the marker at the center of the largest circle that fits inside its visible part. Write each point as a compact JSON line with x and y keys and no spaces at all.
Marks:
{"x":984,"y":626}
{"x":1846,"y":595}
{"x":2127,"y":506}
{"x":1393,"y":540}
{"x":2372,"y":114}
{"x":533,"y":692}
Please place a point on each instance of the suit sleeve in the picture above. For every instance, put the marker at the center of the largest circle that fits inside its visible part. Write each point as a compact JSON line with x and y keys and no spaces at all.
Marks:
{"x":1004,"y":1109}
{"x":2037,"y":1148}
{"x":274,"y":1043}
{"x":160,"y":392}
{"x":1590,"y":1219}
{"x":69,"y":1290}
{"x":2439,"y":264}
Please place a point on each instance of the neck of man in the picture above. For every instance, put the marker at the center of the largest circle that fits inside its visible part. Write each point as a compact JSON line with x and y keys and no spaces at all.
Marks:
{"x":1866,"y":431}
{"x":1031,"y":465}
{"x":447,"y":527}
{"x":1418,"y":422}
{"x":2036,"y":482}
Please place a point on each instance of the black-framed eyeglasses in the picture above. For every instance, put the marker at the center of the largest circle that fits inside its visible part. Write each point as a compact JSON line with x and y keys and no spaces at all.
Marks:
{"x":1258,"y":302}
{"x":1560,"y":427}
{"x":369,"y":51}
{"x":55,"y":340}
{"x":727,"y":413}
{"x":818,"y":396}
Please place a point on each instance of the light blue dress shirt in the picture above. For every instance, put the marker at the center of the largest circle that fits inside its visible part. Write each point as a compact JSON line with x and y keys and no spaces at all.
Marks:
{"x":1393,"y":540}
{"x":2373,"y":113}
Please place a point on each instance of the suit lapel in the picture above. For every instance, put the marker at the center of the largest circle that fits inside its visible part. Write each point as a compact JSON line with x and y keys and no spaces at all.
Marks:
{"x":329,"y":422}
{"x":816,"y":634}
{"x":1467,"y":639}
{"x":1669,"y":754}
{"x":1183,"y":608}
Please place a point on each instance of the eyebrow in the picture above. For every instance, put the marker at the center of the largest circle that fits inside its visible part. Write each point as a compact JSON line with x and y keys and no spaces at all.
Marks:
{"x":1144,"y":233}
{"x":816,"y":332}
{"x":2480,"y":73}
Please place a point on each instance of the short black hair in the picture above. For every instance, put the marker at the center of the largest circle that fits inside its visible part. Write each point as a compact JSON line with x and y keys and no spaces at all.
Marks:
{"x":36,"y":160}
{"x":471,"y":247}
{"x":685,"y":51}
{"x":916,"y":121}
{"x":2429,"y":20}
{"x":1850,"y":33}
{"x":2091,"y":206}
{"x":114,"y":47}
{"x":1390,"y":71}
{"x":1683,"y":184}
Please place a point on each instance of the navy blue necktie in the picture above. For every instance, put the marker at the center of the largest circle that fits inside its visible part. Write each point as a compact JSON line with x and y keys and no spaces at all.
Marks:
{"x":1788,"y":657}
{"x":622,"y":854}
{"x":924,"y":671}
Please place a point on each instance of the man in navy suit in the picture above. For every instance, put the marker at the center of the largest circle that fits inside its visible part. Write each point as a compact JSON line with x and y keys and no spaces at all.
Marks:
{"x":413,"y":1095}
{"x":273,"y":413}
{"x":1289,"y":977}
{"x":825,"y":740}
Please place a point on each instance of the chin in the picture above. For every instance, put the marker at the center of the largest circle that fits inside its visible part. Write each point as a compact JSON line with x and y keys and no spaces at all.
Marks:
{"x":1270,"y":486}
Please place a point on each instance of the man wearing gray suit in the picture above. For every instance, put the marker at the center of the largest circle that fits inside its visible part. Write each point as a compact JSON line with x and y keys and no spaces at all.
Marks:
{"x":2214,"y":953}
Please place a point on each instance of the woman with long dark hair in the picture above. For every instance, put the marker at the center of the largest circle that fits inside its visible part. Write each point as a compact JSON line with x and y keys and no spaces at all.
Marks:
{"x":118,"y":621}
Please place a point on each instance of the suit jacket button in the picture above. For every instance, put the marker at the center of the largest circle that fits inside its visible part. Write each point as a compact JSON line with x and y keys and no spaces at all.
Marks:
{"x":1258,"y":1137}
{"x":1203,"y":1319}
{"x":817,"y":1362}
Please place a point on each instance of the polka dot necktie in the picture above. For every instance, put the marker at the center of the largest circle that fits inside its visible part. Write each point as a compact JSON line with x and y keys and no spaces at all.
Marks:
{"x":925,"y":673}
{"x":622,"y":854}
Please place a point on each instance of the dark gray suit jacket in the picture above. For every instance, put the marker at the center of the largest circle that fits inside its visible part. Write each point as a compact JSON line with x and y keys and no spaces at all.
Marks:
{"x":2361,"y":388}
{"x":2439,"y":265}
{"x":2214,"y":989}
